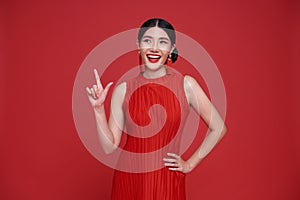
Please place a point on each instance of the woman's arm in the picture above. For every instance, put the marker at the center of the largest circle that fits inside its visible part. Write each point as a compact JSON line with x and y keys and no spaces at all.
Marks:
{"x":110,"y":132}
{"x":217,"y":129}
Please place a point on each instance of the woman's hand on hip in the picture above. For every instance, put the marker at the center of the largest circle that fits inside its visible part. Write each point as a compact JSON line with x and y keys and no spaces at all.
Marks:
{"x":176,"y":163}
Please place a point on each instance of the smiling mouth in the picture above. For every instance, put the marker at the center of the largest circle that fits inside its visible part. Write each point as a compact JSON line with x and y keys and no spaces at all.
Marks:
{"x":153,"y":58}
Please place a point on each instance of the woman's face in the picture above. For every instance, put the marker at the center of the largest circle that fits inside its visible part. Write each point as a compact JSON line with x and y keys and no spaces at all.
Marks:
{"x":155,"y":46}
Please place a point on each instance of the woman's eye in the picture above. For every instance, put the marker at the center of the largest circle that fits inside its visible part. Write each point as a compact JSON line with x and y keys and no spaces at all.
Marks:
{"x":163,"y":42}
{"x":147,"y":40}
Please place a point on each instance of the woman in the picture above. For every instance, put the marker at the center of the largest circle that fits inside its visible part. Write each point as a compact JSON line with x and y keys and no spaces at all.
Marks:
{"x":132,"y":100}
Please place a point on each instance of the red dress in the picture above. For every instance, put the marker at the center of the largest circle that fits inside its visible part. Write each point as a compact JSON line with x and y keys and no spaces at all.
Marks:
{"x":152,"y":131}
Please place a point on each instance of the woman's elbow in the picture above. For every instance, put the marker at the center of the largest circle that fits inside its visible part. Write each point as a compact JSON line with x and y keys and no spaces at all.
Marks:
{"x":223,"y":130}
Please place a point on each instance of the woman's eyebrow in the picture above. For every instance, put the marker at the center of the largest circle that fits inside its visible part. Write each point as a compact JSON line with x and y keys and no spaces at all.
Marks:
{"x":146,"y":36}
{"x":163,"y":38}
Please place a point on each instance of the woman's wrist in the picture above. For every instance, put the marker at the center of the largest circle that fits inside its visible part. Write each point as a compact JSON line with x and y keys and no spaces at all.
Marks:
{"x":189,"y":166}
{"x":192,"y":164}
{"x":99,"y":109}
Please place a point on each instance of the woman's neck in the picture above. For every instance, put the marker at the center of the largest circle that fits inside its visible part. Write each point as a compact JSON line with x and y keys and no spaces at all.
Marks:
{"x":152,"y":74}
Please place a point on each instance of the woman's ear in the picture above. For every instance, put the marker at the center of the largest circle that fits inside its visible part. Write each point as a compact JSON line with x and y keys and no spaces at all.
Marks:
{"x":172,"y":48}
{"x":137,"y":44}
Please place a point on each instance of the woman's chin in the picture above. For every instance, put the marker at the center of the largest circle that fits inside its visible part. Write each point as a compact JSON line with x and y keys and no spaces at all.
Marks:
{"x":154,"y":66}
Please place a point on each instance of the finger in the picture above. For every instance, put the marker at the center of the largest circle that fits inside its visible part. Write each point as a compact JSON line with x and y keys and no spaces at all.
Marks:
{"x":109,"y":84}
{"x":107,"y":88}
{"x":98,"y":79}
{"x":96,"y":90}
{"x":172,"y":164}
{"x":88,"y":91}
{"x":173,"y":155}
{"x":93,"y":93}
{"x":175,"y":169}
{"x":170,"y":160}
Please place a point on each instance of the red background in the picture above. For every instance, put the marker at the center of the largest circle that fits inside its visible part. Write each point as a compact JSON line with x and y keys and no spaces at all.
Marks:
{"x":254,"y":44}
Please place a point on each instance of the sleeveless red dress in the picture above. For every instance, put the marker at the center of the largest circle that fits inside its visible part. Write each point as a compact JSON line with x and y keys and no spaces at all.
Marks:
{"x":155,"y":112}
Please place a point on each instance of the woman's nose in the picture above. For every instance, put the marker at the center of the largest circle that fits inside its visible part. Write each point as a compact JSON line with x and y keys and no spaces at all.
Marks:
{"x":154,"y":47}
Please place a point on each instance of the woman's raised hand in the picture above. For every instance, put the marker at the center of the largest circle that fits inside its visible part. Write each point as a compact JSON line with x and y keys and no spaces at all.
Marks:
{"x":96,"y":93}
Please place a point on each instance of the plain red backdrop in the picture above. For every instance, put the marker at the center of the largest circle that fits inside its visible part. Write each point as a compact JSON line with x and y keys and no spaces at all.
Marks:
{"x":255,"y":45}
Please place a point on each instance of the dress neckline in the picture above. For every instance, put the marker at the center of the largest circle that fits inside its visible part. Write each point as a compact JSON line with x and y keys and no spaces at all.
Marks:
{"x":168,"y":73}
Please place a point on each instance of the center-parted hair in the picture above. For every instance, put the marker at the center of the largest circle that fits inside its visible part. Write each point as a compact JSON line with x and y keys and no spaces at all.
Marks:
{"x":166,"y":26}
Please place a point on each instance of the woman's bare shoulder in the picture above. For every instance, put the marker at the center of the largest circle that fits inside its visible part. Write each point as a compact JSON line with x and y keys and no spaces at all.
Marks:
{"x":121,"y":87}
{"x":119,"y":91}
{"x":189,"y":80}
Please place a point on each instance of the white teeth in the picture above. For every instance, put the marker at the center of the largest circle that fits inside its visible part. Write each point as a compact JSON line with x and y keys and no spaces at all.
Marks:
{"x":154,"y":57}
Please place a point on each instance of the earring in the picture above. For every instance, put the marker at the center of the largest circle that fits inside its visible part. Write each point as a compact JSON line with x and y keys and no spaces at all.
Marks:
{"x":169,"y":61}
{"x":140,"y":59}
{"x":140,"y":62}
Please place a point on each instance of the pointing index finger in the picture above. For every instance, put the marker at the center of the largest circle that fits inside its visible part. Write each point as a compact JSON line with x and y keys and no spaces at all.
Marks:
{"x":98,"y":80}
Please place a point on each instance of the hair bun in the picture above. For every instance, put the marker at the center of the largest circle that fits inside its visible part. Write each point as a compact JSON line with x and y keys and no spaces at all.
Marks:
{"x":174,"y":55}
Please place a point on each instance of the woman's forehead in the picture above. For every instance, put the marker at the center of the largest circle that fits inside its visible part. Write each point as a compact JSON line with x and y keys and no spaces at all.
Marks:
{"x":156,"y":32}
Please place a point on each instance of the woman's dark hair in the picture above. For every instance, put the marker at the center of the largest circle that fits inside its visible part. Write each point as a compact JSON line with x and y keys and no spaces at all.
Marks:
{"x":166,"y":26}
